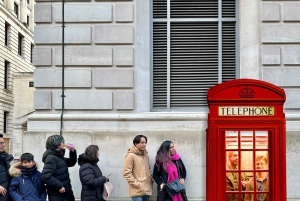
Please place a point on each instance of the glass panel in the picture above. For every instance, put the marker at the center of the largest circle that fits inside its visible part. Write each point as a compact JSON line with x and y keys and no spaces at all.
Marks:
{"x":261,"y":139}
{"x":246,"y":139}
{"x":261,"y":160}
{"x":231,"y":139}
{"x":232,"y":161}
{"x":232,"y":181}
{"x":247,"y":177}
{"x":247,"y":160}
{"x":232,"y":197}
{"x":248,"y":197}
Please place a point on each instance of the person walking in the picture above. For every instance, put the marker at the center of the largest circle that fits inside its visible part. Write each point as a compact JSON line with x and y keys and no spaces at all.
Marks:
{"x":90,"y":175}
{"x":137,"y":170}
{"x":5,"y":179}
{"x":168,"y":167}
{"x":55,"y":173}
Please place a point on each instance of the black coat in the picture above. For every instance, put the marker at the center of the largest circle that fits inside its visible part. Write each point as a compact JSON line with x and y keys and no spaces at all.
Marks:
{"x":91,"y":179}
{"x":161,"y":176}
{"x":55,"y":175}
{"x":5,"y":179}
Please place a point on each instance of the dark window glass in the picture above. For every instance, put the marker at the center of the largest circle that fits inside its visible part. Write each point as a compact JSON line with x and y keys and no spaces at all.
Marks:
{"x":20,"y":39}
{"x":5,"y":116}
{"x":16,"y":9}
{"x":5,"y":75}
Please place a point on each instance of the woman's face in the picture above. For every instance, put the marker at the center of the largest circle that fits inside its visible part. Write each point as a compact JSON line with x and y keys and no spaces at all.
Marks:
{"x":172,"y":149}
{"x":98,"y":154}
{"x":62,"y":145}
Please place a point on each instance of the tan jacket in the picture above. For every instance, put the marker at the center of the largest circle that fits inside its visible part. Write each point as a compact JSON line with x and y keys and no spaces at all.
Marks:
{"x":230,"y":181}
{"x":137,"y":172}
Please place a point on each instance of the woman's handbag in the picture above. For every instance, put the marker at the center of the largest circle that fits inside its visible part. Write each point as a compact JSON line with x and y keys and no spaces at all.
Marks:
{"x":175,"y":187}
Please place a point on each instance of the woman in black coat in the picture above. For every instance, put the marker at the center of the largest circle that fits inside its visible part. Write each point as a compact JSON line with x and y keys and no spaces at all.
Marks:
{"x":55,"y":173}
{"x":167,"y":164}
{"x":90,"y":175}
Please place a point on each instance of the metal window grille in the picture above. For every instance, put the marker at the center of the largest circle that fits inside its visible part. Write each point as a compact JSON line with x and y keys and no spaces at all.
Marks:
{"x":194,"y":47}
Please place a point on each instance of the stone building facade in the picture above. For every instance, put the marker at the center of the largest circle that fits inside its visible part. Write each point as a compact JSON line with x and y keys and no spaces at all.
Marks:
{"x":109,"y":81}
{"x":16,"y":55}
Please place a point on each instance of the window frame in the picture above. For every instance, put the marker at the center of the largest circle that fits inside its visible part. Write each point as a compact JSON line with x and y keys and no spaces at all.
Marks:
{"x":220,"y":19}
{"x":20,"y":44}
{"x":16,"y":9}
{"x":6,"y":75}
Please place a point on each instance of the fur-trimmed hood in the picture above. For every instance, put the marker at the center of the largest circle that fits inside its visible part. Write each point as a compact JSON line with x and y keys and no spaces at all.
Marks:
{"x":15,"y":169}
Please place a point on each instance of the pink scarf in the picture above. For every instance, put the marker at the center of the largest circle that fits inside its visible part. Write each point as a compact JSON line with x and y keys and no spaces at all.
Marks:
{"x":173,"y":174}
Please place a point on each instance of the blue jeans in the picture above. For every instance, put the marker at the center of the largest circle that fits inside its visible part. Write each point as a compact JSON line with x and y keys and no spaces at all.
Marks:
{"x":141,"y":198}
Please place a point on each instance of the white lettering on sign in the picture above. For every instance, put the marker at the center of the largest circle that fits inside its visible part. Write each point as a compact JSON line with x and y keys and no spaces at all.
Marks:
{"x":247,"y":111}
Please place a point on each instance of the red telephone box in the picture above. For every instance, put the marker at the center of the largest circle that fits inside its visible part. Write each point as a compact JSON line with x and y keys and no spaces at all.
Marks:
{"x":246,"y":142}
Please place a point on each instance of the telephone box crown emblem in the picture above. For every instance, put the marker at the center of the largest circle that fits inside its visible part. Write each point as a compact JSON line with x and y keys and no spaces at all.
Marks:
{"x":246,"y":93}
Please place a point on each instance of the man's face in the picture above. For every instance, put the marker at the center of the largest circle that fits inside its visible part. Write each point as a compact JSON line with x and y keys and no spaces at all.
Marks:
{"x":142,"y":145}
{"x":2,"y":144}
{"x":27,"y":164}
{"x":260,"y":164}
{"x":234,"y":159}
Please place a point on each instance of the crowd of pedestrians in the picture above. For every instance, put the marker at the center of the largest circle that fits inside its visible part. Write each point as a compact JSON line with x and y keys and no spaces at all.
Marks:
{"x":20,"y":179}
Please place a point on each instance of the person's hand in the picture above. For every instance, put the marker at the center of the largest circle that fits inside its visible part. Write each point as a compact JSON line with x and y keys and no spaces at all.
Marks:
{"x":3,"y":191}
{"x":244,"y":183}
{"x":62,"y":190}
{"x":162,"y":186}
{"x":181,"y":181}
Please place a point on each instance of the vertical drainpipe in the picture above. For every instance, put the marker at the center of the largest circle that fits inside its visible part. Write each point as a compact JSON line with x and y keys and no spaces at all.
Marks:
{"x":63,"y":68}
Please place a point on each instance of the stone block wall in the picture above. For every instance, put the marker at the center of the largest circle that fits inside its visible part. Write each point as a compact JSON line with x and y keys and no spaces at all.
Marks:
{"x":99,"y":56}
{"x":280,"y":37}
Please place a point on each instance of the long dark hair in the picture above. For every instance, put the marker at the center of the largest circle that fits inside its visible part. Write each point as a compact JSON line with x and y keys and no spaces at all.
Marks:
{"x":163,"y":158}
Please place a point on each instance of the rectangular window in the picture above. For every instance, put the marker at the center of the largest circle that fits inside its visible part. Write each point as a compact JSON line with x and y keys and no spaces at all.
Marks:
{"x":6,"y":34}
{"x":6,"y":70}
{"x":28,"y":1}
{"x":5,"y":121}
{"x":194,"y":47}
{"x":31,"y":53}
{"x":20,"y":44}
{"x":16,"y":9}
{"x":28,"y":20}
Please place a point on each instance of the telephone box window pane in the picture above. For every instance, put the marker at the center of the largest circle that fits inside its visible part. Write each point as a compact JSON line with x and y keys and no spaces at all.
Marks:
{"x":248,"y":176}
{"x":261,"y":160}
{"x":232,"y":197}
{"x":232,"y":181}
{"x":248,"y":197}
{"x":232,"y":160}
{"x":246,"y":139}
{"x":231,"y":139}
{"x":261,"y":139}
{"x":247,"y":160}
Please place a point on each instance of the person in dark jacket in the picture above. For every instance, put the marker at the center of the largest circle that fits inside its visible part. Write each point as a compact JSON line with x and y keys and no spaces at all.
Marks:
{"x":167,"y":164}
{"x":55,"y":173}
{"x":90,"y":175}
{"x":26,"y":184}
{"x":5,"y":179}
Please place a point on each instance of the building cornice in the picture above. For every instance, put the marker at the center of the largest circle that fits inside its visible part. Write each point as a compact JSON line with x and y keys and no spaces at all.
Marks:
{"x":13,"y":18}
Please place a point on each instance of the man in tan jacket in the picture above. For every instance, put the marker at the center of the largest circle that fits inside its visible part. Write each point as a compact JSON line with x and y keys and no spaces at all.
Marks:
{"x":137,"y":170}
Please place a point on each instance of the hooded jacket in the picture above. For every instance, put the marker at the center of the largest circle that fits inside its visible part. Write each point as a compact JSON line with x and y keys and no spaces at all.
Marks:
{"x":91,"y":179}
{"x":5,"y":179}
{"x":55,"y":174}
{"x":137,"y":172}
{"x":26,"y":188}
